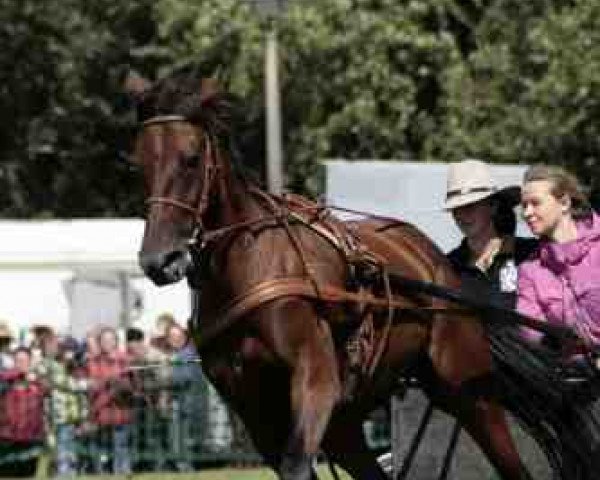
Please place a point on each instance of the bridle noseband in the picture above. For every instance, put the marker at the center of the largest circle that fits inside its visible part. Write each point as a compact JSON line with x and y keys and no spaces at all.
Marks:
{"x":211,"y":168}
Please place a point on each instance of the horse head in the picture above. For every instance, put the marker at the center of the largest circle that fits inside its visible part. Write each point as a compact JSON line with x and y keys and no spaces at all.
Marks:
{"x":177,"y":148}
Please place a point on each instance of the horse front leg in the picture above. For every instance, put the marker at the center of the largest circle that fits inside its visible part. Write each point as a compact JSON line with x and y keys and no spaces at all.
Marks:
{"x":305,"y":343}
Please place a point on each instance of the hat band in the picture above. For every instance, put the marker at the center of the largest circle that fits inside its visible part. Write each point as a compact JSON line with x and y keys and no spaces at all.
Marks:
{"x":466,"y":191}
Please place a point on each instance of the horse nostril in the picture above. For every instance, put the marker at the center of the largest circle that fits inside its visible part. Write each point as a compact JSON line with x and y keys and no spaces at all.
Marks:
{"x":165,"y":267}
{"x":172,"y":257}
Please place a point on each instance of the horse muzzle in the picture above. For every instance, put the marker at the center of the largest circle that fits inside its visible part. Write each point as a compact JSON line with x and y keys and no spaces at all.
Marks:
{"x":164,"y":268}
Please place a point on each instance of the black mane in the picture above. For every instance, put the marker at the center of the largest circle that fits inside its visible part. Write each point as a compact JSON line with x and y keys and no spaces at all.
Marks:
{"x":223,"y":114}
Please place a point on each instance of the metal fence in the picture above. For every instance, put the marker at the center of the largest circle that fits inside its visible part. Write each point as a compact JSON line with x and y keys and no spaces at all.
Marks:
{"x":156,"y":427}
{"x":149,"y":425}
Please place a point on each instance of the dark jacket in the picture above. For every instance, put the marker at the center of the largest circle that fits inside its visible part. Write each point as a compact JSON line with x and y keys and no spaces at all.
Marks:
{"x":499,"y":283}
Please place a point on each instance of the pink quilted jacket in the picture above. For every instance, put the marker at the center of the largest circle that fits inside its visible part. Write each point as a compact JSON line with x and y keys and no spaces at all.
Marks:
{"x":561,"y":283}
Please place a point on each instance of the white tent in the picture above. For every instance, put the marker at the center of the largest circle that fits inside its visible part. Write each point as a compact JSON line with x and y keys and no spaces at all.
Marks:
{"x":411,"y":191}
{"x":47,"y":267}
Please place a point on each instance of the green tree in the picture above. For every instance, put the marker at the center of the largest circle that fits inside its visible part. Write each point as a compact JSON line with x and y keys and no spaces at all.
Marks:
{"x":223,"y":37}
{"x":505,"y":80}
{"x":361,"y":80}
{"x":528,"y":93}
{"x":359,"y":77}
{"x":62,"y":64}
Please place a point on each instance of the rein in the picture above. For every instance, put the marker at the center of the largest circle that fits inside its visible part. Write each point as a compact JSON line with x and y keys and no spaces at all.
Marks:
{"x":319,"y":208}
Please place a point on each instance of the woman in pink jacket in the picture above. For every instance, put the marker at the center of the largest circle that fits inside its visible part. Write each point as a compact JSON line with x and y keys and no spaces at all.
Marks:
{"x":560,"y":283}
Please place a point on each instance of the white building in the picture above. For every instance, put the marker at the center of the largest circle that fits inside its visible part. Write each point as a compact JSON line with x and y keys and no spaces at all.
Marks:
{"x":72,"y":274}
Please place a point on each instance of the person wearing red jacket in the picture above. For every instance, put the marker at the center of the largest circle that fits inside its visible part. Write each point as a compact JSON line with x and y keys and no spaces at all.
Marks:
{"x":22,"y":430}
{"x":110,"y":396}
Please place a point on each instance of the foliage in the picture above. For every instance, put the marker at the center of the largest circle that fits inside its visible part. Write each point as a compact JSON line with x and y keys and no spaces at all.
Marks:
{"x":63,"y":63}
{"x":504,"y":80}
{"x":360,"y":80}
{"x":223,"y":37}
{"x":528,"y":93}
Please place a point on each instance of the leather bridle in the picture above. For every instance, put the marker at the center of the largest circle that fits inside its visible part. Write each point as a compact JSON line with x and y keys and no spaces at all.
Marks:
{"x":211,"y":167}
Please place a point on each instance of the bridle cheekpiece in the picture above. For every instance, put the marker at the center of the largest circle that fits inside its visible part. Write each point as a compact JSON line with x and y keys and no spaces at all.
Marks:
{"x":210,"y":169}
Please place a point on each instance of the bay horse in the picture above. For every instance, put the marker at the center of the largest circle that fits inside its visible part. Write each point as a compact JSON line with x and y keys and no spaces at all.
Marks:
{"x":281,"y":302}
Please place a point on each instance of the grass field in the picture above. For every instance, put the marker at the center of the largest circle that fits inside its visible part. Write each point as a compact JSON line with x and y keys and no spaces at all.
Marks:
{"x":216,"y":474}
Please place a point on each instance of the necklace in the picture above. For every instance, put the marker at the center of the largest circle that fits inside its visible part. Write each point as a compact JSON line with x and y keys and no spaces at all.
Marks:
{"x":484,"y":261}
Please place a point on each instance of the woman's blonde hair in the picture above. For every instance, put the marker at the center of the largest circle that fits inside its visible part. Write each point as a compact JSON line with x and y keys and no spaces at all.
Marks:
{"x":563,"y":183}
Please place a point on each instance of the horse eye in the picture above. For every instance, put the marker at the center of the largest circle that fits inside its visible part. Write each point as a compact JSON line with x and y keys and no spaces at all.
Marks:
{"x":191,"y":160}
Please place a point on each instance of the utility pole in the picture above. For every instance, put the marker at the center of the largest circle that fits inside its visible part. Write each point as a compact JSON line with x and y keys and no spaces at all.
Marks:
{"x":273,"y":109}
{"x":271,"y":9}
{"x":125,"y":291}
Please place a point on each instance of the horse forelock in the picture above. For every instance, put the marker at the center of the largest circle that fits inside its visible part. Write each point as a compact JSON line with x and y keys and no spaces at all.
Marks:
{"x":170,"y":98}
{"x":221,"y":114}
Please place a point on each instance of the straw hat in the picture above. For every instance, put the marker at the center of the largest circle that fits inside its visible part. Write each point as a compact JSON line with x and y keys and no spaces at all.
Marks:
{"x":470,"y":181}
{"x":5,"y":331}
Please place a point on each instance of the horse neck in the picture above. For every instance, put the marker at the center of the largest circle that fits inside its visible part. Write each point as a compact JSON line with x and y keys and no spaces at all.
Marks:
{"x":234,"y":210}
{"x":234,"y":201}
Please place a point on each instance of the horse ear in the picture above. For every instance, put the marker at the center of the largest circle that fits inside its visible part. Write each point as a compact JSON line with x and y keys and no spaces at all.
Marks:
{"x":135,"y":85}
{"x":208,"y":89}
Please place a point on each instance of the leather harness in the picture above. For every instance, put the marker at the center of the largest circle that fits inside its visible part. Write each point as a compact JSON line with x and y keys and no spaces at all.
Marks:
{"x":284,"y":211}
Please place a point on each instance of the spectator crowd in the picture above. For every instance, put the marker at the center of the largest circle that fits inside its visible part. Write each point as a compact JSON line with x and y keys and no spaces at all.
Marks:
{"x":108,"y":403}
